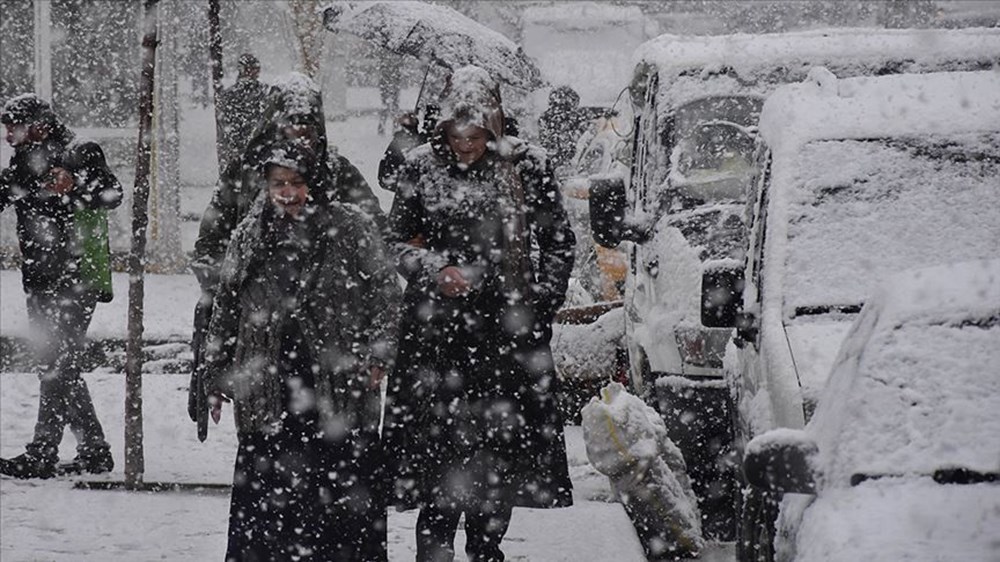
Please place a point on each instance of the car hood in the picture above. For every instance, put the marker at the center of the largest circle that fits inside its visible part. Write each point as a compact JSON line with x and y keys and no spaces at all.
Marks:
{"x":814,"y":343}
{"x":913,"y":519}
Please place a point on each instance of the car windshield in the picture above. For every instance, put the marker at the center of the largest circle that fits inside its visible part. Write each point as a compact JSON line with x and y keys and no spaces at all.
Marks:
{"x":713,"y":149}
{"x":861,"y":209}
{"x":926,"y":398}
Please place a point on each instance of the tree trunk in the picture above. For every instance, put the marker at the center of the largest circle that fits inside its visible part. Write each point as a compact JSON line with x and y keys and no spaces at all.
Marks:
{"x":215,"y":59}
{"x":134,"y":461}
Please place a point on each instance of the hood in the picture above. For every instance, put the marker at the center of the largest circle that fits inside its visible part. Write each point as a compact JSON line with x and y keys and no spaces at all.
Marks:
{"x":296,"y":100}
{"x":472,"y":97}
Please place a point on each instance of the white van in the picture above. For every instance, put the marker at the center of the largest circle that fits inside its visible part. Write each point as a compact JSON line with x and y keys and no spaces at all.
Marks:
{"x":862,"y":178}
{"x":683,"y":211}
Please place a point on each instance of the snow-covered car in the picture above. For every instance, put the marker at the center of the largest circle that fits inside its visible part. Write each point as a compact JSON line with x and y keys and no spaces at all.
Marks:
{"x":683,"y":210}
{"x":862,"y":178}
{"x":902,"y":458}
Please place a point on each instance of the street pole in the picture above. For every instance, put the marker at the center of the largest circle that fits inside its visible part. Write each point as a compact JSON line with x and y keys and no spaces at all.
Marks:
{"x":215,"y":59}
{"x":134,"y":458}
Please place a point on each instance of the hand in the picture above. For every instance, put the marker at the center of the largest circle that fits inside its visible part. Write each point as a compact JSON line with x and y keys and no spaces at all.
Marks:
{"x":377,"y":374}
{"x":60,"y":181}
{"x":215,"y":401}
{"x":452,"y":283}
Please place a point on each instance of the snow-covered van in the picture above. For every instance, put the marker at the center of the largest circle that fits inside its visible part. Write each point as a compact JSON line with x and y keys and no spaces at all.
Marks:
{"x":683,"y":211}
{"x":861,"y":178}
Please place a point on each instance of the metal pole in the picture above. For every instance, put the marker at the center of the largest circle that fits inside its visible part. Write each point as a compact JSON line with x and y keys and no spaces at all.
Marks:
{"x":134,"y":461}
{"x":215,"y":58}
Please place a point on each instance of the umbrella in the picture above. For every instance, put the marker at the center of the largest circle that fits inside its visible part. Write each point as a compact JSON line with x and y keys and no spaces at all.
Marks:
{"x":437,"y":34}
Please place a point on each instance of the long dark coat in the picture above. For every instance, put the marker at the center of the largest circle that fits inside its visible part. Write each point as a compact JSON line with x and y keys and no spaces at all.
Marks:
{"x":471,"y":412}
{"x":345,"y":309}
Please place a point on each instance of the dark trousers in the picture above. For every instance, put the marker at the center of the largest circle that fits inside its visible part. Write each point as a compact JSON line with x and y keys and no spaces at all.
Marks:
{"x":60,"y":320}
{"x":297,"y":497}
{"x":436,"y":527}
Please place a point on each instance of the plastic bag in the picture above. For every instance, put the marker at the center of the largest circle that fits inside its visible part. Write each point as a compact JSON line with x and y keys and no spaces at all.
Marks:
{"x":627,"y":441}
{"x":95,"y":259}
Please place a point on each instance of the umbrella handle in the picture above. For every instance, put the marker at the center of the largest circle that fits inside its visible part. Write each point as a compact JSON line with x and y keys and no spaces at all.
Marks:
{"x":423,"y":85}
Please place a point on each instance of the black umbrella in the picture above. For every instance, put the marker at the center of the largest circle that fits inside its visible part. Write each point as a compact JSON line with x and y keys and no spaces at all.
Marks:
{"x":436,"y":34}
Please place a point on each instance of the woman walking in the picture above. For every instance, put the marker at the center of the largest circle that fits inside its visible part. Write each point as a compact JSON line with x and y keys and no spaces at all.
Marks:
{"x":481,"y":236}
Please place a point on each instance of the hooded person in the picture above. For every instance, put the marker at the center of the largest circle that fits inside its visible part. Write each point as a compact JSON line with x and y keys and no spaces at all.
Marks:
{"x":302,"y":332}
{"x":60,"y":190}
{"x":561,"y":124}
{"x":294,"y":112}
{"x":482,"y":239}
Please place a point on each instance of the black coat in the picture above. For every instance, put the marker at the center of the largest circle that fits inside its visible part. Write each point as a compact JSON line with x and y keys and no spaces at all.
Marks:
{"x":45,"y":227}
{"x":471,"y":406}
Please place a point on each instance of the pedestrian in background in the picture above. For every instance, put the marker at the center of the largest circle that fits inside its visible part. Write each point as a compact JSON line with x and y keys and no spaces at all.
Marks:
{"x":302,"y":332}
{"x":59,"y":190}
{"x":481,"y":236}
{"x":561,"y":124}
{"x":241,"y":107}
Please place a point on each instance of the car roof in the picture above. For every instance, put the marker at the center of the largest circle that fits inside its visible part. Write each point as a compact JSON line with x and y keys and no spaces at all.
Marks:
{"x":827,"y":107}
{"x":745,"y":52}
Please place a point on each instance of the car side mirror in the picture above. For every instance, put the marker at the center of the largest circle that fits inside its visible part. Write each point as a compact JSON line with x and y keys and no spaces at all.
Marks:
{"x":781,"y":460}
{"x":721,"y":295}
{"x":607,"y":210}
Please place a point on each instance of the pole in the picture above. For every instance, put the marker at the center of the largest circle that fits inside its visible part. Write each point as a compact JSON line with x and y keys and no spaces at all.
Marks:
{"x":215,"y":58}
{"x":134,"y":461}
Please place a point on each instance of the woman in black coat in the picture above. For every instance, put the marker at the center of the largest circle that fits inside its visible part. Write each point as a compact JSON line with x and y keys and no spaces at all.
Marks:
{"x":485,"y":245}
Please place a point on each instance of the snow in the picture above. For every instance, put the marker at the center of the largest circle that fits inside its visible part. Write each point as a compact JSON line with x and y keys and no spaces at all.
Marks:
{"x":915,"y":520}
{"x":587,"y":351}
{"x":915,"y":387}
{"x":865,"y":107}
{"x":744,"y":62}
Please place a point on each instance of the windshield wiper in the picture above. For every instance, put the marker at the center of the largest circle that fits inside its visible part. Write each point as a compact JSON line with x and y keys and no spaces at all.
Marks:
{"x":964,"y":476}
{"x":941,"y":476}
{"x":827,"y":309}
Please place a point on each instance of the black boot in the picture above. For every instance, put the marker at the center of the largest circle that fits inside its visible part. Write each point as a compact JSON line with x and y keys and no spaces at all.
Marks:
{"x":26,"y":466}
{"x":94,"y":461}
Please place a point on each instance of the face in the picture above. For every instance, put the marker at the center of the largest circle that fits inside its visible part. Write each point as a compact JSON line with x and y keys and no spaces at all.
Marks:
{"x":468,"y":143}
{"x":22,"y":133}
{"x":287,"y":189}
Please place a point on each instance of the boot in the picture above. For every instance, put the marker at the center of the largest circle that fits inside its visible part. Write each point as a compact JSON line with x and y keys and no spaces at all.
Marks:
{"x":97,"y":461}
{"x":26,"y":466}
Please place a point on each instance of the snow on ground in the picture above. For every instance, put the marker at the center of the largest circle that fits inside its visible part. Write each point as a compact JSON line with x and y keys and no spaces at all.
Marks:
{"x":49,"y":520}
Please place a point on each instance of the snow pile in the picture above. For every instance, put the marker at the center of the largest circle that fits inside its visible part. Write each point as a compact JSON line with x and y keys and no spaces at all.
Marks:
{"x":627,"y":441}
{"x":587,"y":351}
{"x":916,"y":387}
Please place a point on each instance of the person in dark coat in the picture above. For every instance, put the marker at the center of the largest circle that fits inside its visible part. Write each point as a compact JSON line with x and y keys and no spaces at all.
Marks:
{"x":561,"y":124}
{"x":242,"y":107}
{"x":484,"y":243}
{"x":302,"y":332}
{"x":51,"y":182}
{"x":295,"y":111}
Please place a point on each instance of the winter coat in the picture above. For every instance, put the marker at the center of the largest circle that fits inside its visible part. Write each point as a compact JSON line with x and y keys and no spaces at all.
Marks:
{"x":50,"y":246}
{"x":239,"y":185}
{"x":242,"y":107}
{"x":345,"y":310}
{"x":560,"y":125}
{"x":473,"y":392}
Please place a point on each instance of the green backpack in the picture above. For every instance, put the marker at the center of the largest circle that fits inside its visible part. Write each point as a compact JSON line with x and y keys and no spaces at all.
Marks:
{"x":95,"y":260}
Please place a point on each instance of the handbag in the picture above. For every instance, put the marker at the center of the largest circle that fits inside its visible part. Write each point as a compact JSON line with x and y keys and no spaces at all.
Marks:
{"x":95,"y":259}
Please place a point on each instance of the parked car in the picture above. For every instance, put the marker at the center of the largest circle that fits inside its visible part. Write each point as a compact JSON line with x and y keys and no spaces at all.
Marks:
{"x":683,"y":210}
{"x":861,"y":178}
{"x":902,"y":458}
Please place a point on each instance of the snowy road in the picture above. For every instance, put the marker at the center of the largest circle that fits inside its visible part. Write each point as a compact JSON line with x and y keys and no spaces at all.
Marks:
{"x":49,"y":520}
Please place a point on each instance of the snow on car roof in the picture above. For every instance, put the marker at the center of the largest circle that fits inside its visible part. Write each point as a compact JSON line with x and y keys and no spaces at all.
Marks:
{"x":915,"y":388}
{"x":746,"y":53}
{"x":825,"y":107}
